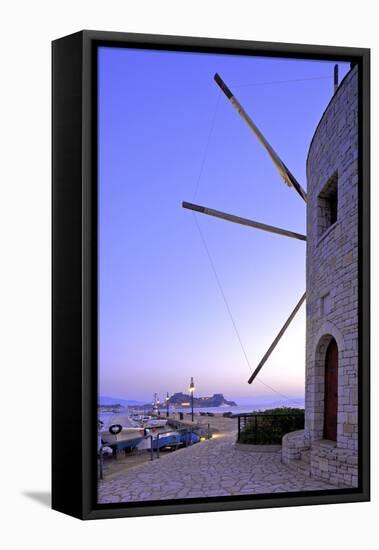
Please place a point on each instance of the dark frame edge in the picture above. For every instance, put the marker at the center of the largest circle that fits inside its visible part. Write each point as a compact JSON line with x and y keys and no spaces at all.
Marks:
{"x":364,"y":283}
{"x":67,"y":337}
{"x":232,"y":46}
{"x":230,"y":506}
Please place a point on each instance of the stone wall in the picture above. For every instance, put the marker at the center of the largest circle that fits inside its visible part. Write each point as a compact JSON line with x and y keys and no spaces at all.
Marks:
{"x":294,"y":444}
{"x":335,"y":465}
{"x":332,"y":276}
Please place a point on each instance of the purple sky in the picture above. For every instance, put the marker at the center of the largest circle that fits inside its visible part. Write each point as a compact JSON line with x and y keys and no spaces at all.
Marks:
{"x":162,"y":318}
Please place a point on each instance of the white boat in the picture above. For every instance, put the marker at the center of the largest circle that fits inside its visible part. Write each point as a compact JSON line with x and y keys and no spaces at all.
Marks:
{"x":119,"y":427}
{"x":124,"y":434}
{"x":115,"y":428}
{"x":156,"y":423}
{"x":148,"y":421}
{"x":123,"y":418}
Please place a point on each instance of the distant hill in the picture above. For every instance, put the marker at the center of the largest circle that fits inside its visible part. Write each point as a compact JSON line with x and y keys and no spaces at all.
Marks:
{"x":106,"y":400}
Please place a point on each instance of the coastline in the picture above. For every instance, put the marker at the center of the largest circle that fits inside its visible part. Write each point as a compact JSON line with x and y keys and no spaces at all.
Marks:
{"x":238,"y":409}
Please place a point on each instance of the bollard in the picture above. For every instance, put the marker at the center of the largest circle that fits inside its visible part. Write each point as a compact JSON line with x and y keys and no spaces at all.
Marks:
{"x":151,"y":448}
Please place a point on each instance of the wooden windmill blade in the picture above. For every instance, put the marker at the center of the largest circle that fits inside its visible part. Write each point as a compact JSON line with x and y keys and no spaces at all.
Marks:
{"x":243,"y":221}
{"x":335,"y":78}
{"x":287,"y":176}
{"x":278,"y":337}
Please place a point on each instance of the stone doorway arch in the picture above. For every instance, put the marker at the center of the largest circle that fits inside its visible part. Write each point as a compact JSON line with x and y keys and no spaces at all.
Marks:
{"x":316,"y":389}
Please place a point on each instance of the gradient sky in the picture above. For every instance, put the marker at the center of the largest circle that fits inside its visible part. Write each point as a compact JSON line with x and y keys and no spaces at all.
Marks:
{"x":162,"y":318}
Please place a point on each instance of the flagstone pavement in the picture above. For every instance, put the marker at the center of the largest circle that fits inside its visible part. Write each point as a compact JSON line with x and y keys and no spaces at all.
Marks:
{"x":217,"y":467}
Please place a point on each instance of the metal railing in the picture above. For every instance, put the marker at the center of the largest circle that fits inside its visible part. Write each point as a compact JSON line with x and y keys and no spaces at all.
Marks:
{"x":266,"y":429}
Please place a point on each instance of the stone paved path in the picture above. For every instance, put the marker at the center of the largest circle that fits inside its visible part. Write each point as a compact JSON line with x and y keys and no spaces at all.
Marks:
{"x":213,"y":468}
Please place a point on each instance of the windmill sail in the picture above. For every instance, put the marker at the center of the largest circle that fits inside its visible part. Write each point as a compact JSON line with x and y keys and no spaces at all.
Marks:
{"x":278,"y":337}
{"x":243,"y":221}
{"x":287,"y":176}
{"x":289,"y":179}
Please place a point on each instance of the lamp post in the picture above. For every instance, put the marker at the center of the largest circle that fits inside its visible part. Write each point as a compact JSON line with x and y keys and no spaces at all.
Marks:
{"x":167,"y":404}
{"x":191,"y":390}
{"x":158,"y":404}
{"x":153,"y":404}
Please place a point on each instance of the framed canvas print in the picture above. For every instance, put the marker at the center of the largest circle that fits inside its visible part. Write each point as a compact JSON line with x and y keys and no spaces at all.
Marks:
{"x":210,"y":274}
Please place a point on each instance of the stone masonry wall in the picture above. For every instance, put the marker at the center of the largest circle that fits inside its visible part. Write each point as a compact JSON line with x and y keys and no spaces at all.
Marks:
{"x":332,"y":276}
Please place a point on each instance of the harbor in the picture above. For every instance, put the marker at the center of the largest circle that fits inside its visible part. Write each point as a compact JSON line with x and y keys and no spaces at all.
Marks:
{"x":212,"y":468}
{"x":159,"y":437}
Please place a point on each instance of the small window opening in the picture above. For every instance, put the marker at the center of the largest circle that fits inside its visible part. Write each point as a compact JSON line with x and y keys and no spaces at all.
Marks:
{"x":327,"y":208}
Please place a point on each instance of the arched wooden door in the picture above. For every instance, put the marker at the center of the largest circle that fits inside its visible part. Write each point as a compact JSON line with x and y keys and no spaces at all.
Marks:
{"x":331,"y":391}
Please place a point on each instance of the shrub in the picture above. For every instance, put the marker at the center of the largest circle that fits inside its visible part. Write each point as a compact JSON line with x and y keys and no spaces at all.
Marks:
{"x":268,"y":427}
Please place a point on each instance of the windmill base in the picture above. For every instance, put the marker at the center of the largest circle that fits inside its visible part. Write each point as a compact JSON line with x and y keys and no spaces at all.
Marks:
{"x":320,"y":459}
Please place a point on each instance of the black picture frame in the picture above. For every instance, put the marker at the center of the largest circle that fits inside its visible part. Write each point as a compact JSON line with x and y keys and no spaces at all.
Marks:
{"x":74,"y":273}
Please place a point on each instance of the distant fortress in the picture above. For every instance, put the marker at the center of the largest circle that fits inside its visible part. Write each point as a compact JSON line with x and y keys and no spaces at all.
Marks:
{"x":182,"y":400}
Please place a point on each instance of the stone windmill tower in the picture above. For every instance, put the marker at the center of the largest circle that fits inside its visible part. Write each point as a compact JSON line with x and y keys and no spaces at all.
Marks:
{"x":328,"y":446}
{"x":331,"y":406}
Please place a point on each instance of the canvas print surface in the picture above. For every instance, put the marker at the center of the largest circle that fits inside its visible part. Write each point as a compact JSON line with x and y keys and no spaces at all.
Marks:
{"x":228,"y":275}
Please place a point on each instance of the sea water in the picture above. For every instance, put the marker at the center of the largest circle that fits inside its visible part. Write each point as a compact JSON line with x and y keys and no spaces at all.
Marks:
{"x":239,"y":409}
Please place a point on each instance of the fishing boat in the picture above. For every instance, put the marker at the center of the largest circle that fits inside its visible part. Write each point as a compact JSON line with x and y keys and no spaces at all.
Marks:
{"x":174,"y":439}
{"x":119,"y":438}
{"x":169,"y":439}
{"x":155,"y":423}
{"x":147,"y":421}
{"x":189,"y":438}
{"x":117,"y":433}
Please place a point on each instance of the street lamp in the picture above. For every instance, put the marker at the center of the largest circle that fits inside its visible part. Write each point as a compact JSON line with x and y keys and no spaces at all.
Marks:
{"x":191,"y":390}
{"x":167,"y":404}
{"x":155,"y":404}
